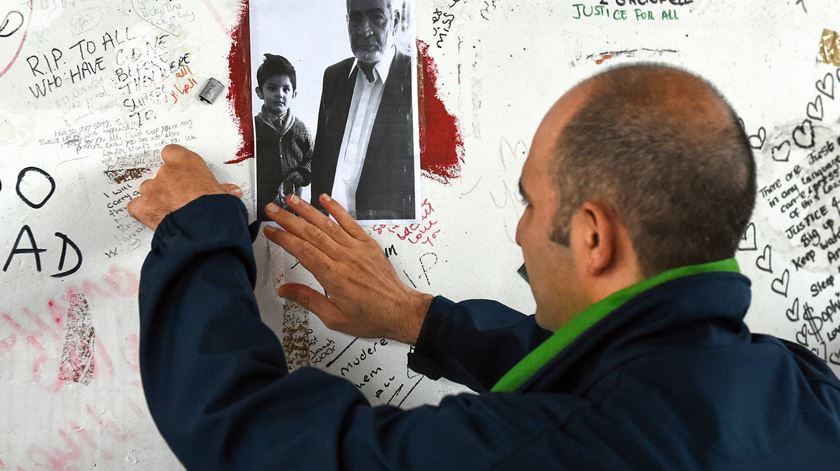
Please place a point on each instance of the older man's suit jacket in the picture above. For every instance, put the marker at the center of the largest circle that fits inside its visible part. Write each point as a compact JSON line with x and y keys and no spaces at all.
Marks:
{"x":386,"y":186}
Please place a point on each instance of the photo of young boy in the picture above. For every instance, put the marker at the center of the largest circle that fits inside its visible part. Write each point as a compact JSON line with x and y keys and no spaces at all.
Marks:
{"x":283,"y":143}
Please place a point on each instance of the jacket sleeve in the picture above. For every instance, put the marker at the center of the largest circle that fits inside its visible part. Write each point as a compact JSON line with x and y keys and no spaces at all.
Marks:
{"x":218,"y":389}
{"x":473,"y":342}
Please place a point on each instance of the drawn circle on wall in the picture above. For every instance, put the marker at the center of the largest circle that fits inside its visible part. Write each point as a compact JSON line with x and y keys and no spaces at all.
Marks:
{"x":14,"y":25}
{"x":26,"y":199}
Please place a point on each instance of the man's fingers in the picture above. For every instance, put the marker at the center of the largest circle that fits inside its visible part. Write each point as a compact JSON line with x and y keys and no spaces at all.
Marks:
{"x":319,"y":220}
{"x":232,"y":189}
{"x":311,"y":300}
{"x":305,"y":231}
{"x":171,"y":153}
{"x":343,"y":217}
{"x":313,"y":259}
{"x":132,"y":207}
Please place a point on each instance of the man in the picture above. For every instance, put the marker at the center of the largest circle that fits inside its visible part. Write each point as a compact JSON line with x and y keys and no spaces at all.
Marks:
{"x":638,"y":186}
{"x":364,"y":145}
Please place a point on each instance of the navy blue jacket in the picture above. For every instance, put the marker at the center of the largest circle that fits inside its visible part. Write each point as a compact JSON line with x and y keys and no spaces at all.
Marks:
{"x":671,"y":380}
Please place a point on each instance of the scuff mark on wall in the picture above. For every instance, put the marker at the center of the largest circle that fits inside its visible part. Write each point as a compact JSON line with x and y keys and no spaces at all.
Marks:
{"x":77,"y":361}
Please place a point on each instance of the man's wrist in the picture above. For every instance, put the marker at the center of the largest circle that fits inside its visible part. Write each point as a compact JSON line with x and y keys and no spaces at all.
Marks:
{"x":418,"y":306}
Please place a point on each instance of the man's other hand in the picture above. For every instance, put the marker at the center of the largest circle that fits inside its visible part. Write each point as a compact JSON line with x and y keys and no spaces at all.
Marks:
{"x":182,"y":178}
{"x":366,"y":297}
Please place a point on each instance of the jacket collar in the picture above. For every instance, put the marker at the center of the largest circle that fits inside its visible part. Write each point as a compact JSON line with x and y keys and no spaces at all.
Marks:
{"x":652,"y":307}
{"x":382,"y":68}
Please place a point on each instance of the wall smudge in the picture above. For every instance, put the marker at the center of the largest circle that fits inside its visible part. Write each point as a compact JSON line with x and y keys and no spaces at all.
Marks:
{"x":830,"y":47}
{"x":239,"y":92}
{"x":117,"y":177}
{"x":296,"y":332}
{"x":77,"y":362}
{"x":441,"y":145}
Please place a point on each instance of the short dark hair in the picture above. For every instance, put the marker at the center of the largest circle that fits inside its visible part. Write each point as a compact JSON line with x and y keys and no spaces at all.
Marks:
{"x":664,"y":150}
{"x":276,"y":65}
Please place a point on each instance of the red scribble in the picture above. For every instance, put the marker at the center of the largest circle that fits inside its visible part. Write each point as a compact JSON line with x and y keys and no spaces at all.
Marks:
{"x":58,"y":315}
{"x":22,"y":40}
{"x":181,"y":89}
{"x":8,"y":343}
{"x":42,"y":337}
{"x":603,"y":59}
{"x":122,"y":282}
{"x":54,"y":332}
{"x":131,"y":356}
{"x":110,"y":426}
{"x":76,"y":438}
{"x":239,"y":92}
{"x":423,"y":233}
{"x":215,"y":13}
{"x":441,"y":145}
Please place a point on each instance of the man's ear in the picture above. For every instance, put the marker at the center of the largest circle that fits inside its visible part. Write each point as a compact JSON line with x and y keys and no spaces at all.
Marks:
{"x":396,"y":21}
{"x":259,"y":92}
{"x":597,"y":231}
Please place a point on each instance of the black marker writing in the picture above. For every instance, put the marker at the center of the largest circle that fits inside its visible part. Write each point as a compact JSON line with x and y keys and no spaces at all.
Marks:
{"x":25,"y":199}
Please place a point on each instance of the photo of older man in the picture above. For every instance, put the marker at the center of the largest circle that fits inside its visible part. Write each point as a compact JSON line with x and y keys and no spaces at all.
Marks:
{"x":365,"y":153}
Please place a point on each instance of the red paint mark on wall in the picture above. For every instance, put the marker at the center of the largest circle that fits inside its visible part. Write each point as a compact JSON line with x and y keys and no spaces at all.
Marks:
{"x":441,"y":145}
{"x":239,"y":92}
{"x":603,"y":59}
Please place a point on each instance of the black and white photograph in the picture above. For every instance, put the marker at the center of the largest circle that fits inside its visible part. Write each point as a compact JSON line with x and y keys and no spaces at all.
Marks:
{"x":335,"y":105}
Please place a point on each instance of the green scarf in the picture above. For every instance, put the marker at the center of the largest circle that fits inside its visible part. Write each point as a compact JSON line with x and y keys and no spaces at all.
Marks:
{"x":554,"y":345}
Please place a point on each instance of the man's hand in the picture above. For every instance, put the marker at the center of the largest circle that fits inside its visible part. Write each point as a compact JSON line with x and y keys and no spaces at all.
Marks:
{"x":182,"y":178}
{"x":366,"y":297}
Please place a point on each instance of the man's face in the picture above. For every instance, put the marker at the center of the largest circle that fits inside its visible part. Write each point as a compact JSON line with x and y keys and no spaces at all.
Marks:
{"x":371,"y":25}
{"x":551,"y":266}
{"x":277,"y":93}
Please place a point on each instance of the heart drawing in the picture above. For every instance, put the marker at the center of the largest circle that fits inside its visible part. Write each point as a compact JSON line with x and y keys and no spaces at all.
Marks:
{"x":815,"y":110}
{"x":781,"y":152}
{"x":764,"y":261}
{"x":803,"y":135}
{"x":747,"y":242}
{"x":780,"y":285}
{"x":826,"y":85}
{"x":757,"y":140}
{"x":792,"y":312}
{"x":802,"y":336}
{"x":834,"y":358}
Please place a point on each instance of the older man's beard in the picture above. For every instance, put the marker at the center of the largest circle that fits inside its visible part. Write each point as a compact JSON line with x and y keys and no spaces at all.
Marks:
{"x":374,"y":53}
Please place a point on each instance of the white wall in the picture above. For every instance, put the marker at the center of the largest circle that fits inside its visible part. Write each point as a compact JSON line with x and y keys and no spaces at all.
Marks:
{"x":499,"y":70}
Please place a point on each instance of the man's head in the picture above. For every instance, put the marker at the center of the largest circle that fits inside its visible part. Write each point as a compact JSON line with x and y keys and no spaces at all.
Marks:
{"x":372,"y":25}
{"x":276,"y":83}
{"x":635,"y":171}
